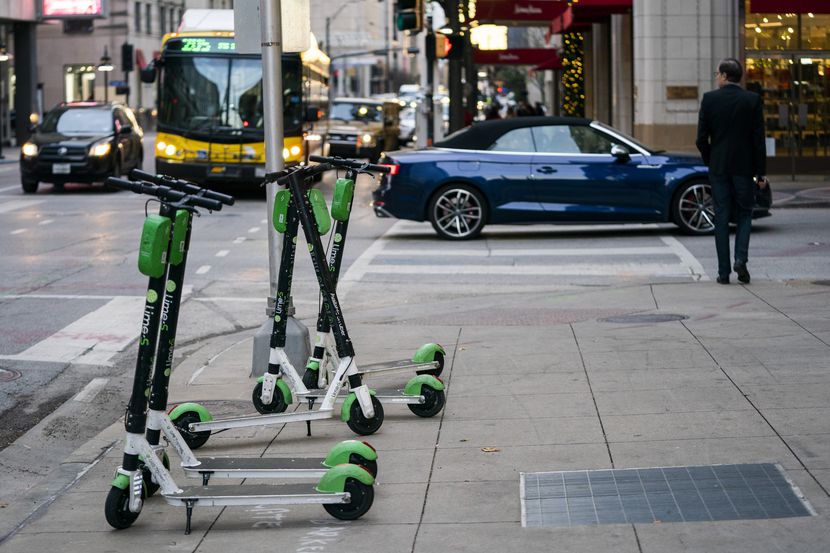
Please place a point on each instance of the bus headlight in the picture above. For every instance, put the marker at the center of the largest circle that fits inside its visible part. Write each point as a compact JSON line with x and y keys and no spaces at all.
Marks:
{"x":29,"y":149}
{"x":161,"y":145}
{"x":100,"y":149}
{"x":170,"y":150}
{"x":295,"y":150}
{"x":285,"y":153}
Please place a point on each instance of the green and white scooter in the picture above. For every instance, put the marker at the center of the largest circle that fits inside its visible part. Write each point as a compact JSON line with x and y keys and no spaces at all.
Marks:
{"x":361,"y":410}
{"x":345,"y":491}
{"x":159,"y":422}
{"x":423,"y":394}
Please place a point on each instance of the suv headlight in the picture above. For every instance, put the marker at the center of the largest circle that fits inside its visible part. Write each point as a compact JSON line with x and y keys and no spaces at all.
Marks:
{"x":367,"y":139}
{"x":29,"y":149}
{"x":100,"y":149}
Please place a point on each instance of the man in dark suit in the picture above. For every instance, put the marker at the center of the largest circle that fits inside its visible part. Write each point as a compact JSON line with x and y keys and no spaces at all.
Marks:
{"x":730,"y":137}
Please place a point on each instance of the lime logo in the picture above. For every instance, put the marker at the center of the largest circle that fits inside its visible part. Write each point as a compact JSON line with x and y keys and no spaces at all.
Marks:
{"x":277,"y":318}
{"x":166,"y":372}
{"x":294,"y":240}
{"x":338,"y":237}
{"x":152,"y":296}
{"x":311,"y":247}
{"x":171,"y":286}
{"x":147,"y":392}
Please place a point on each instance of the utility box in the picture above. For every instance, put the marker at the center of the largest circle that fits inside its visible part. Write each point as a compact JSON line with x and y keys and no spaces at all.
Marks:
{"x":296,"y":25}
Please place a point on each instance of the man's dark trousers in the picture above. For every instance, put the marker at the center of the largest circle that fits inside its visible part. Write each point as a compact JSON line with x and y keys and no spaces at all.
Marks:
{"x":724,"y":189}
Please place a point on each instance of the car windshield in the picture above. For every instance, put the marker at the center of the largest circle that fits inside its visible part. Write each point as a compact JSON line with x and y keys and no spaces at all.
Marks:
{"x":621,"y":134}
{"x":353,"y":111}
{"x":79,"y":121}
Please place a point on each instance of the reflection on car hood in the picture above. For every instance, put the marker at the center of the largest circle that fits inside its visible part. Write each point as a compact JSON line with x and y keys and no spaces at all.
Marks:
{"x":67,"y":140}
{"x":678,"y":157}
{"x":348,"y":128}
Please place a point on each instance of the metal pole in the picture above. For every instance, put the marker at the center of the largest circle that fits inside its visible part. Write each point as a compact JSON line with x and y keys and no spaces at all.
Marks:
{"x":429,"y":48}
{"x":271,"y":26}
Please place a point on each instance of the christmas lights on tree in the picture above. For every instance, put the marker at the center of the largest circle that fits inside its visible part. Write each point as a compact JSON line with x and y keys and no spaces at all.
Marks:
{"x":573,"y":79}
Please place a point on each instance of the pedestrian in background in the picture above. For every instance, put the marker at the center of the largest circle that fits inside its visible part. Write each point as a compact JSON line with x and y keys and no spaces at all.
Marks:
{"x":730,"y":137}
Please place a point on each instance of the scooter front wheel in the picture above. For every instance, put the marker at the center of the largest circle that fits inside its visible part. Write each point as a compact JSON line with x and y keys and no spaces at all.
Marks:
{"x":434,"y":401}
{"x":362,"y":425}
{"x":194,"y":440}
{"x":277,"y":405}
{"x":117,"y":509}
{"x":362,"y":497}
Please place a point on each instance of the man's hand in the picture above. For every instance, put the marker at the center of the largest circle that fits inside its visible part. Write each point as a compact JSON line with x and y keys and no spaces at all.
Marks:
{"x":762,"y":182}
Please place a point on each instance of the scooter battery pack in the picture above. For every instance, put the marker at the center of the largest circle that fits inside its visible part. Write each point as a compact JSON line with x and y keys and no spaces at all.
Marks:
{"x":152,"y":252}
{"x":321,"y":212}
{"x":177,"y":244}
{"x":280,"y":216}
{"x":341,"y":203}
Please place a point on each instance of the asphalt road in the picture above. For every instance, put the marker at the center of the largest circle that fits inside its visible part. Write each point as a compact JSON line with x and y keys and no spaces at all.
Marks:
{"x":70,"y":293}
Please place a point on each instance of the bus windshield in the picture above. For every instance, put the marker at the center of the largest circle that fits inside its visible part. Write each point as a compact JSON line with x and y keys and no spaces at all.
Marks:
{"x":206,"y":95}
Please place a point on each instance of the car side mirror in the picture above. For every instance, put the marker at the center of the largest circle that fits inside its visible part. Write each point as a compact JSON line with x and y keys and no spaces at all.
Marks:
{"x":620,"y":153}
{"x":312,"y":114}
{"x":148,"y":74}
{"x":125,"y":129}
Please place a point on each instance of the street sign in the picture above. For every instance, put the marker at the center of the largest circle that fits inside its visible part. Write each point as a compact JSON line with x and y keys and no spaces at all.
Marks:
{"x":296,"y":26}
{"x":118,"y":83}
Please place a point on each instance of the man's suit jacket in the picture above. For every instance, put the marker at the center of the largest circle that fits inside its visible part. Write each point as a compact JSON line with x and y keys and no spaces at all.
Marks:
{"x":730,"y":132}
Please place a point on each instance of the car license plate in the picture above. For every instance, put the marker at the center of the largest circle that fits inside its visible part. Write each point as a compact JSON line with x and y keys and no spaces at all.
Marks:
{"x":61,"y":168}
{"x":259,"y":171}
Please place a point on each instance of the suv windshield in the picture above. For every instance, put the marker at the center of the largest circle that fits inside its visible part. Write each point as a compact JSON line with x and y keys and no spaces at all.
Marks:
{"x":351,"y":111}
{"x":78,"y":121}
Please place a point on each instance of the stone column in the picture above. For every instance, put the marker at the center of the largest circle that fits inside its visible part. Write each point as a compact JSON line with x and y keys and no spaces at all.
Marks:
{"x":622,"y":74}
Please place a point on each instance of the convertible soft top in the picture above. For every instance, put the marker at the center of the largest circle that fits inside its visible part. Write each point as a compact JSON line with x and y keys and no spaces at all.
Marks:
{"x":481,"y":134}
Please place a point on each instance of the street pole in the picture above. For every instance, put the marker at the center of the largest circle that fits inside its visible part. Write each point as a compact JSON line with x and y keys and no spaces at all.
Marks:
{"x":456,"y":90}
{"x":271,"y":32}
{"x":429,"y":49}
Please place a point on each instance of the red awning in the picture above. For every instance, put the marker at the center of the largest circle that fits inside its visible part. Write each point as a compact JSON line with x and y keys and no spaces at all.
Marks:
{"x":583,"y":14}
{"x":789,"y":6}
{"x":518,"y":56}
{"x":550,"y":65}
{"x":523,"y":12}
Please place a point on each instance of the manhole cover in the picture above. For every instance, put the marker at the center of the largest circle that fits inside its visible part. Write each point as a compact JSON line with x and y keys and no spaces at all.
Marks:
{"x":822,"y":282}
{"x":661,"y":494}
{"x":7,"y":375}
{"x":645,"y":318}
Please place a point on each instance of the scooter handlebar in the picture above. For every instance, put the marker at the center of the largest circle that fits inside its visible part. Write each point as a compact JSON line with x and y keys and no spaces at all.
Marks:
{"x":165,"y":193}
{"x":183,"y":185}
{"x":350,"y":164}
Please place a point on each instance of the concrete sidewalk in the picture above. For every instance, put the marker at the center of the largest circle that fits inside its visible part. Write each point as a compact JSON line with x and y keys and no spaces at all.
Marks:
{"x":535,"y":382}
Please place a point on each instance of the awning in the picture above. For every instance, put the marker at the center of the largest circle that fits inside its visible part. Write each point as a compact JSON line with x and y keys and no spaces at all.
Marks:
{"x":550,"y":65}
{"x":519,"y":12}
{"x":582,"y":14}
{"x":789,"y":6}
{"x":518,"y":56}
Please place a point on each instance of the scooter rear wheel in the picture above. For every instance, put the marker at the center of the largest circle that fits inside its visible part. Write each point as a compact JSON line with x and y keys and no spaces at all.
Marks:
{"x":439,"y":357}
{"x":370,"y":466}
{"x":362,"y":425}
{"x":434,"y":401}
{"x":277,"y":405}
{"x":117,"y":509}
{"x":194,"y":440}
{"x":362,"y":497}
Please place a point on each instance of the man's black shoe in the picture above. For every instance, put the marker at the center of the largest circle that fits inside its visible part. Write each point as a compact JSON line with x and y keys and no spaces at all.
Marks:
{"x":723,"y":280}
{"x":743,"y":273}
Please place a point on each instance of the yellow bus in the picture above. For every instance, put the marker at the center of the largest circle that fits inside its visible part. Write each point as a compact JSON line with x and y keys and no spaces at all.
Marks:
{"x":210,"y":103}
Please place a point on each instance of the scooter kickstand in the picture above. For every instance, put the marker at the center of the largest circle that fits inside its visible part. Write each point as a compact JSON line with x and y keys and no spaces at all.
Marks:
{"x":206,"y":478}
{"x":308,"y":423}
{"x":189,"y":505}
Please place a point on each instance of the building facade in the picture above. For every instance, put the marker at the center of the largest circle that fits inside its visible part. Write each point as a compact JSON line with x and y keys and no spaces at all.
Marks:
{"x":18,"y":71}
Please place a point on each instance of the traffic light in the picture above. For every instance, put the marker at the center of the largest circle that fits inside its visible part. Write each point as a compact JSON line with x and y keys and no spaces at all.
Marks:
{"x":449,"y":46}
{"x":127,"y":57}
{"x":409,"y":15}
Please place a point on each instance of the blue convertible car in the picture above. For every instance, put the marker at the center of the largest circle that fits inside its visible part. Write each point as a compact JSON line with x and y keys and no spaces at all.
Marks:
{"x":546,"y":170}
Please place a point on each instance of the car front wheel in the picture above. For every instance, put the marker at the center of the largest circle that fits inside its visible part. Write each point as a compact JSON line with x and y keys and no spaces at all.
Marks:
{"x":694,"y":208}
{"x":29,"y":186}
{"x":457,"y":212}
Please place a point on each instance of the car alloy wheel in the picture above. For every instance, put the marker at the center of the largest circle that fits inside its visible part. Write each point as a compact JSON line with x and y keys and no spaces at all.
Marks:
{"x":457,"y":212}
{"x":695,"y":208}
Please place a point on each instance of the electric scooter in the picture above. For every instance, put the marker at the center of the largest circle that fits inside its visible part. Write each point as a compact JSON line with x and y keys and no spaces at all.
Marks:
{"x":361,"y":410}
{"x":423,"y":394}
{"x":345,"y":491}
{"x":160,"y":422}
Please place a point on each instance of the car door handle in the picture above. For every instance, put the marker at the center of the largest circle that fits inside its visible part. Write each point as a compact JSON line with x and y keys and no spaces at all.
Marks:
{"x":546,"y":170}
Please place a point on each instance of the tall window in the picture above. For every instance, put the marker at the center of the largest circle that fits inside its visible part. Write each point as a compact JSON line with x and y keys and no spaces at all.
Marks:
{"x":137,"y":16}
{"x":148,"y":18}
{"x":162,"y":19}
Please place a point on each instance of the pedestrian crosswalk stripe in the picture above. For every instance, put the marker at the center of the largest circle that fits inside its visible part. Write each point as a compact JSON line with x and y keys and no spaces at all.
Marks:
{"x":575,"y":269}
{"x":540,"y":252}
{"x":14,"y":205}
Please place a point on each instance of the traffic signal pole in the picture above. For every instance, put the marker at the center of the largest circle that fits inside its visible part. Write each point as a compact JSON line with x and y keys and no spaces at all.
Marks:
{"x":428,"y":97}
{"x":455,"y":87}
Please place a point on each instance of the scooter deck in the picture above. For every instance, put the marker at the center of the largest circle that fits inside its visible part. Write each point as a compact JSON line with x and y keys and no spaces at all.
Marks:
{"x":253,"y":467}
{"x":285,"y":494}
{"x":400,"y":365}
{"x":385,"y":395}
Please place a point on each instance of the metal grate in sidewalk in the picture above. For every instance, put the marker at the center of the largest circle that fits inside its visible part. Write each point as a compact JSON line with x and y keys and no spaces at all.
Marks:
{"x":661,"y":494}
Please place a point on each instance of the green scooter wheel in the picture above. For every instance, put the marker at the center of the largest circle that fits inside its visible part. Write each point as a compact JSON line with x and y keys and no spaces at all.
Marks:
{"x":194,"y":440}
{"x":310,"y":379}
{"x":362,"y":425}
{"x":117,"y":509}
{"x":277,"y":405}
{"x":362,"y":497}
{"x":439,"y":357}
{"x":434,"y":401}
{"x":150,"y":487}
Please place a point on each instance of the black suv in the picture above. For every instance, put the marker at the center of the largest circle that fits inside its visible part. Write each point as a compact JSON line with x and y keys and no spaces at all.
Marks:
{"x":81,"y":142}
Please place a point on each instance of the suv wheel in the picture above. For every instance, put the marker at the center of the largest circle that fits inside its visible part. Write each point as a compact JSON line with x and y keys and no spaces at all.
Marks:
{"x":29,"y":185}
